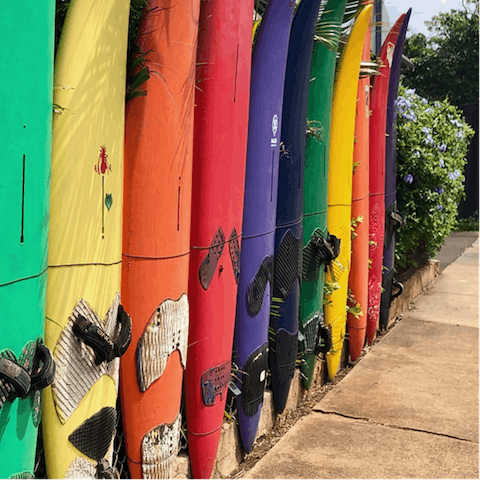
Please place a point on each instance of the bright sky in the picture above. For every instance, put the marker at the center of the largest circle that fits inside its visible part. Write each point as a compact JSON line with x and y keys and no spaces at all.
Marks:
{"x":422,"y":10}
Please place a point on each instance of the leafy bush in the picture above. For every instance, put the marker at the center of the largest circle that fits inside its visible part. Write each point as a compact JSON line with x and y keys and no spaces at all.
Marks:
{"x":432,"y":141}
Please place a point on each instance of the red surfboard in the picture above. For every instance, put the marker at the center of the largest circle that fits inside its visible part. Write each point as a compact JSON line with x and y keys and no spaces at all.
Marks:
{"x":378,"y":121}
{"x":219,"y":156}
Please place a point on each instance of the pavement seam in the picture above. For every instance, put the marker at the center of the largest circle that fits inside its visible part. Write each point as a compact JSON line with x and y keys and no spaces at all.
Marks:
{"x":427,"y":292}
{"x":389,"y":425}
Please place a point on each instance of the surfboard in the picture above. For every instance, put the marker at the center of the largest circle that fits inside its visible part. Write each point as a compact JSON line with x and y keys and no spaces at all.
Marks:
{"x":287,"y":275}
{"x":25,"y":148}
{"x":339,"y":212}
{"x":376,"y":202}
{"x":156,"y":237}
{"x":219,"y":156}
{"x":358,"y":278}
{"x":86,"y":325}
{"x":393,"y":219}
{"x":318,"y":248}
{"x":250,"y":350}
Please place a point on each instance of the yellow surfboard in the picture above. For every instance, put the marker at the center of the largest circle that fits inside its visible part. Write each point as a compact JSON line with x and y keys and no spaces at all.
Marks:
{"x":340,"y":182}
{"x":85,"y":240}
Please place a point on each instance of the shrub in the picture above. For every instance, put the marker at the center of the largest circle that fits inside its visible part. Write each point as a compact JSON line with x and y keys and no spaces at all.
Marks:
{"x":432,"y":141}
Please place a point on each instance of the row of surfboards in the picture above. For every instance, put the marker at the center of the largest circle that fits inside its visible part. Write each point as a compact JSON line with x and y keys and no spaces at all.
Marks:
{"x":151,"y":238}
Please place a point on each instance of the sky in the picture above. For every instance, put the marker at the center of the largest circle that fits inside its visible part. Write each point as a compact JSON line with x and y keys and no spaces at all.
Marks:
{"x":422,"y":10}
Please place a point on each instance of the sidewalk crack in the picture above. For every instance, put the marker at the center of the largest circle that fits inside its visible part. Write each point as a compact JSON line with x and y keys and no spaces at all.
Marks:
{"x":389,"y":425}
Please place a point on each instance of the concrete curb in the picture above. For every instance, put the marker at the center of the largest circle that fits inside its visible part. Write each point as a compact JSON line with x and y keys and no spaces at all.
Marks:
{"x":230,"y":452}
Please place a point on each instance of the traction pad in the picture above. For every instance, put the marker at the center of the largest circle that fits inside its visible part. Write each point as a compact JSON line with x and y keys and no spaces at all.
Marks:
{"x":388,"y":282}
{"x":393,"y":222}
{"x":77,"y":370}
{"x":321,"y":249}
{"x":288,"y":264}
{"x":159,"y":450}
{"x":254,"y":380}
{"x":25,"y":474}
{"x":214,"y":382}
{"x":28,"y":362}
{"x":166,"y":331}
{"x":234,"y":248}
{"x":310,"y":331}
{"x":256,"y":288}
{"x":284,"y":355}
{"x":209,"y":263}
{"x":94,"y":436}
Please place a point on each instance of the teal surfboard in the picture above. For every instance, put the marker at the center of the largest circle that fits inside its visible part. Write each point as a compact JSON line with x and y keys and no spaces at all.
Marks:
{"x":25,"y":142}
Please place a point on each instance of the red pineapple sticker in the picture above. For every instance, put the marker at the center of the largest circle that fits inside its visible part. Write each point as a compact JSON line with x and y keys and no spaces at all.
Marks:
{"x":102,"y":167}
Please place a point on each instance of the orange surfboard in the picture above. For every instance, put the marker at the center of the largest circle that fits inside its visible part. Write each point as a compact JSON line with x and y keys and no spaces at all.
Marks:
{"x":358,"y":278}
{"x":156,"y":237}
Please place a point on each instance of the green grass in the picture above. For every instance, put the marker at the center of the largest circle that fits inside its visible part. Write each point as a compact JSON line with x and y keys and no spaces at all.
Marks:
{"x":467,"y":224}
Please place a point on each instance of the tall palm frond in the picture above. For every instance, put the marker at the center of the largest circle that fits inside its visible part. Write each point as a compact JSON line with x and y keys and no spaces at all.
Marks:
{"x":61,"y":7}
{"x":137,"y":70}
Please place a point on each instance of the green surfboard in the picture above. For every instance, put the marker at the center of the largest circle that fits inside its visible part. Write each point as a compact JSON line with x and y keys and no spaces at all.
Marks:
{"x":25,"y":142}
{"x":315,"y":188}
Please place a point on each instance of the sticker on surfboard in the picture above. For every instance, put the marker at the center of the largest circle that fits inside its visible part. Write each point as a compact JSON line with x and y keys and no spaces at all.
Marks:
{"x":390,"y":50}
{"x":102,"y":167}
{"x":274,"y":140}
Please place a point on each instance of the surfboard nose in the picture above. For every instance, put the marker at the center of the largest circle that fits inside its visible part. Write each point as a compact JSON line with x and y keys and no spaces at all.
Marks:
{"x":203,"y":452}
{"x":248,"y":428}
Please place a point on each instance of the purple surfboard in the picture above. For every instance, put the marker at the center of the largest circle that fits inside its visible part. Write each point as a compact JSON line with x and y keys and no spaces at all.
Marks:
{"x":393,"y":220}
{"x":250,"y":349}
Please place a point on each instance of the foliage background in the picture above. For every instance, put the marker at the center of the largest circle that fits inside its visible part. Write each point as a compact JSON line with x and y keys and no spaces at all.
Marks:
{"x":432,"y":141}
{"x":446,"y":63}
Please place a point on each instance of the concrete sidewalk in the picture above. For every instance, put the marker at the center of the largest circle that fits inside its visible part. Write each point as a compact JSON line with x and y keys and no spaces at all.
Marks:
{"x":409,"y":408}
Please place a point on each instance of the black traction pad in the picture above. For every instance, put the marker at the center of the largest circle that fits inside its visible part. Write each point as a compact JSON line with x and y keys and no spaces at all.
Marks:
{"x":214,"y":382}
{"x":234,"y":248}
{"x":209,"y":263}
{"x":94,"y":436}
{"x":288,"y":261}
{"x":393,"y":222}
{"x":386,"y":298}
{"x":284,"y":355}
{"x":320,"y":250}
{"x":254,"y":380}
{"x":256,"y":289}
{"x":310,"y":332}
{"x":311,"y":260}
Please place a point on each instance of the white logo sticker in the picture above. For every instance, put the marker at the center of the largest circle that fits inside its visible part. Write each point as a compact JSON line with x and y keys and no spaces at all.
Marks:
{"x":390,"y":50}
{"x":274,"y":141}
{"x":275,"y":125}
